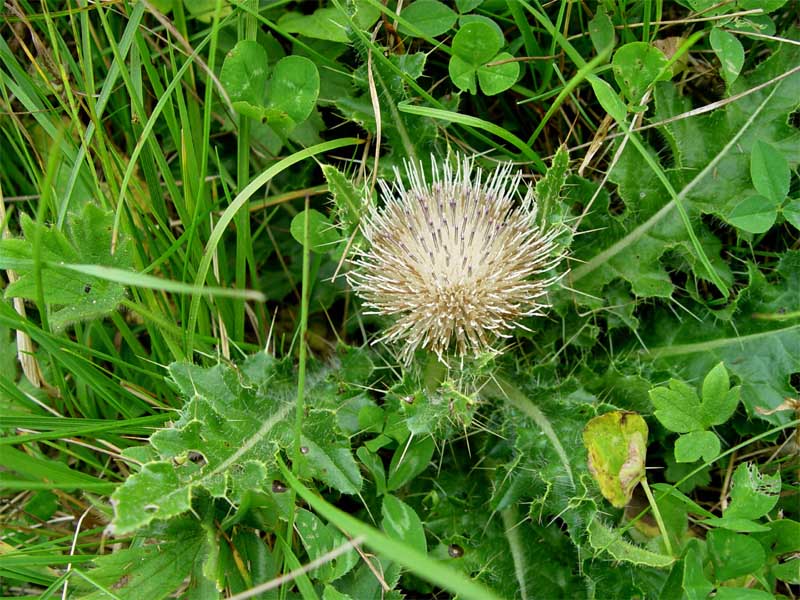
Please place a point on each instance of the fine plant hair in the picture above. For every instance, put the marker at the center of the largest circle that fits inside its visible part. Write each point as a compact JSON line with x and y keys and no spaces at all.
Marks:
{"x":455,"y":261}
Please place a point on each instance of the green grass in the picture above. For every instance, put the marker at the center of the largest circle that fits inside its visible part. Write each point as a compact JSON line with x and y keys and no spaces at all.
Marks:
{"x":190,"y":400}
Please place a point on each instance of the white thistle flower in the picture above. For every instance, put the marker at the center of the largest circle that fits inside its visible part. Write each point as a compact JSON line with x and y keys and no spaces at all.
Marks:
{"x":454,"y":261}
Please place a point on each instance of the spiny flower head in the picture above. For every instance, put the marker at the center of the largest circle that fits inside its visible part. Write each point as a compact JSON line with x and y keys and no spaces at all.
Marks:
{"x":455,"y":260}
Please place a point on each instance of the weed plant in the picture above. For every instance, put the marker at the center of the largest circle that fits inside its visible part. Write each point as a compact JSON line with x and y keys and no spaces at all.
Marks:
{"x":230,"y":366}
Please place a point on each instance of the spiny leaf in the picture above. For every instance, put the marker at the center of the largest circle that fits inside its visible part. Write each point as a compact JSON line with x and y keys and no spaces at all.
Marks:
{"x":149,"y":571}
{"x":605,"y":539}
{"x":87,"y":240}
{"x":225,"y":439}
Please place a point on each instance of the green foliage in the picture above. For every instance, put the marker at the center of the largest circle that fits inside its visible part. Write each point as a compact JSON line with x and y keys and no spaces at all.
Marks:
{"x":730,"y":53}
{"x":475,"y":47}
{"x":428,"y":17}
{"x":761,"y":352}
{"x":217,"y":447}
{"x":321,"y":232}
{"x":604,"y":539}
{"x":712,"y":176}
{"x":156,"y":570}
{"x":770,"y":174}
{"x":166,"y":432}
{"x":71,"y":296}
{"x":284,"y":100}
{"x":679,"y":409}
{"x":637,"y":67}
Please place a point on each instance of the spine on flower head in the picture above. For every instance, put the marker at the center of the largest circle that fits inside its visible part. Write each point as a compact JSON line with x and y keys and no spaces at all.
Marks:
{"x":456,"y":260}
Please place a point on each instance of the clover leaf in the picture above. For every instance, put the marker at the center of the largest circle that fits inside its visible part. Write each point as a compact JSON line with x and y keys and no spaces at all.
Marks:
{"x":476,"y":54}
{"x":283,"y":99}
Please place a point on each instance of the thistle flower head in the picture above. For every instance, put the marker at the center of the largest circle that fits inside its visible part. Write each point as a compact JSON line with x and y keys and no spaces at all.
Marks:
{"x":455,"y":260}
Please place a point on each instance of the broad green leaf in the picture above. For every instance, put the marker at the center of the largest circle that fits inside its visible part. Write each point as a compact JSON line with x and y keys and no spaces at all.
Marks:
{"x":147,"y":571}
{"x":753,"y":494}
{"x":402,"y":523}
{"x":329,"y":23}
{"x":755,"y":214}
{"x":465,"y":6}
{"x":730,"y":53}
{"x":782,"y":537}
{"x":788,"y":571}
{"x":719,"y":399}
{"x":73,"y":296}
{"x":695,"y":583}
{"x":366,"y":13}
{"x":791,"y":212}
{"x":693,"y":446}
{"x":331,"y":593}
{"x":636,"y":67}
{"x":409,"y":460}
{"x":225,"y":438}
{"x":204,"y":10}
{"x":769,"y":171}
{"x":476,"y":44}
{"x":608,"y":99}
{"x":677,"y":407}
{"x":766,"y":5}
{"x":464,"y":20}
{"x":324,"y":24}
{"x":293,"y":89}
{"x":155,"y":492}
{"x":333,"y":465}
{"x":617,"y":445}
{"x":733,"y":554}
{"x":431,"y":17}
{"x":244,"y":73}
{"x":715,"y":388}
{"x":284,"y":100}
{"x":605,"y":539}
{"x":318,"y":539}
{"x":462,"y":74}
{"x":322,"y":234}
{"x":495,"y":79}
{"x":601,"y":30}
{"x":359,"y":415}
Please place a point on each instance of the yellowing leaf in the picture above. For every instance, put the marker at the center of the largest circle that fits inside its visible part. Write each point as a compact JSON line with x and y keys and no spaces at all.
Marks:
{"x":617,"y":445}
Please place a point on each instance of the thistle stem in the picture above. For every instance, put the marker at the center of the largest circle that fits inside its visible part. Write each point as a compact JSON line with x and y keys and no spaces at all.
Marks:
{"x":657,"y":514}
